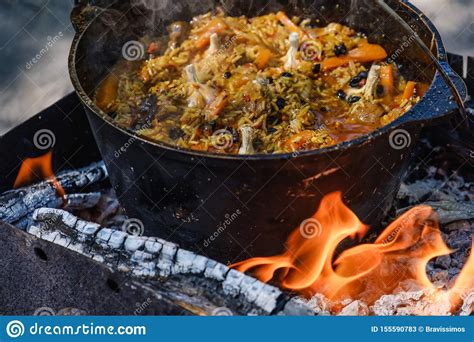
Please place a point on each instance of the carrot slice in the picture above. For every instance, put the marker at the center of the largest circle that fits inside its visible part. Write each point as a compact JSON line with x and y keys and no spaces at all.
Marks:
{"x":214,"y":26}
{"x":409,"y":90}
{"x":421,"y":89}
{"x":216,"y":106}
{"x":289,"y":24}
{"x":107,"y":93}
{"x":387,"y":79}
{"x":364,"y":53}
{"x":263,"y":57}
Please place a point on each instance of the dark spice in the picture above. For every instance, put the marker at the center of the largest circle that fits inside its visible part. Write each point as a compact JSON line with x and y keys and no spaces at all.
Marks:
{"x":355,"y":82}
{"x":235,"y":135}
{"x":353,"y":99}
{"x":273,"y":120}
{"x":340,"y":49}
{"x":316,"y":68}
{"x":213,"y":124}
{"x":271,"y":130}
{"x":380,"y":90}
{"x":206,"y":129}
{"x":149,"y":105}
{"x":281,"y":103}
{"x":175,"y":133}
{"x":341,"y":94}
{"x":227,"y":75}
{"x":269,"y":80}
{"x":287,"y":74}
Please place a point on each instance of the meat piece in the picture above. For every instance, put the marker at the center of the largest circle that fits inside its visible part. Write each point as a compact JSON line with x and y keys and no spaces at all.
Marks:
{"x":201,"y":94}
{"x":247,"y":140}
{"x":368,"y":91}
{"x":214,"y":45}
{"x":290,"y":58}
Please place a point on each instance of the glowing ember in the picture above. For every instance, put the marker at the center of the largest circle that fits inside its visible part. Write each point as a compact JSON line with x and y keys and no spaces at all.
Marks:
{"x":35,"y":169}
{"x":365,"y":272}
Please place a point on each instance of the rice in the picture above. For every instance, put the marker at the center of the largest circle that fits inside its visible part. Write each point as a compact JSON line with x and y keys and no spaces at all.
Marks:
{"x":200,"y":91}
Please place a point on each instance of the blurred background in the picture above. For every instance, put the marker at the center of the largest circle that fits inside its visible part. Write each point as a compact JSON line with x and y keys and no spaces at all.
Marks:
{"x":35,"y":37}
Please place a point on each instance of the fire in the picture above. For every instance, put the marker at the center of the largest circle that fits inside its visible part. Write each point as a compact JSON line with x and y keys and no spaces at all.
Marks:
{"x":39,"y":168}
{"x":311,"y":263}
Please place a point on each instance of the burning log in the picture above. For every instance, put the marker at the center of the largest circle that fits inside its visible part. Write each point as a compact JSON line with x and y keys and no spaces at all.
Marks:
{"x":82,"y":201}
{"x":17,"y":205}
{"x":196,"y":283}
{"x":449,"y":211}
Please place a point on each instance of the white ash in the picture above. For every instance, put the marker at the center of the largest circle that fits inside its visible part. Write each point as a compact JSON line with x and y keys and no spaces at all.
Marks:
{"x":419,"y":303}
{"x":320,"y":304}
{"x":467,"y":308}
{"x":356,"y":308}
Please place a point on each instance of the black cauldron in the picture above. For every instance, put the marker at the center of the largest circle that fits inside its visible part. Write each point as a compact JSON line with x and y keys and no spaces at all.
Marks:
{"x":234,"y":207}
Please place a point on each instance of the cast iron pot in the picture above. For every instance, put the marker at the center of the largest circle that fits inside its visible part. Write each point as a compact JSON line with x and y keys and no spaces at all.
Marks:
{"x":233,"y":207}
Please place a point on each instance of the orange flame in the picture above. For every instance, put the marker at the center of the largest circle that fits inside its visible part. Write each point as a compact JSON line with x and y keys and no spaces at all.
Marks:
{"x":35,"y":169}
{"x":364,"y":272}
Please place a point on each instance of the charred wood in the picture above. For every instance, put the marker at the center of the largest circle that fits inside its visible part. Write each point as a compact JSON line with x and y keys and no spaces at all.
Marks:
{"x":17,"y":205}
{"x":196,"y":283}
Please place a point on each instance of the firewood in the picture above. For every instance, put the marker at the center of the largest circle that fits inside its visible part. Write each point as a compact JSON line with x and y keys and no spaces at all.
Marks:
{"x":449,"y":211}
{"x":17,"y":205}
{"x":198,"y":284}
